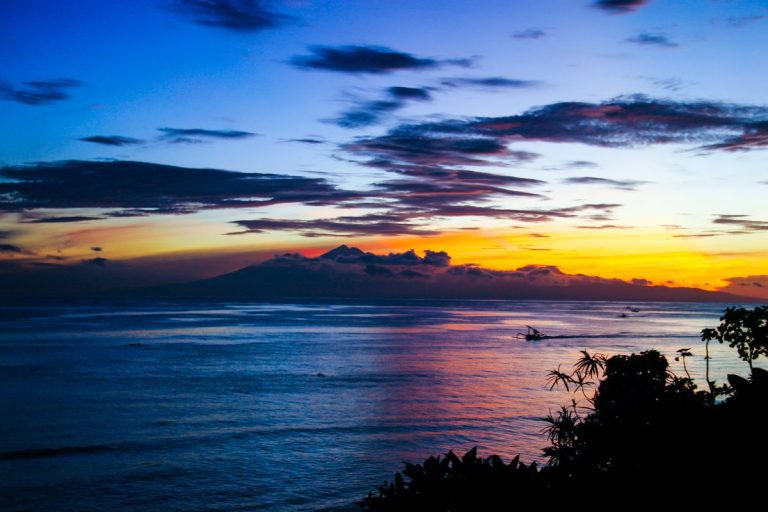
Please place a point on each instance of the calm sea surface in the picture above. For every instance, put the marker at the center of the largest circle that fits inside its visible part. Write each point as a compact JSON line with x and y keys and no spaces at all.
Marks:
{"x":253,"y":406}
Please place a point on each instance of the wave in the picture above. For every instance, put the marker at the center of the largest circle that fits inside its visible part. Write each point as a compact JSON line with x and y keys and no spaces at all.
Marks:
{"x":61,"y":451}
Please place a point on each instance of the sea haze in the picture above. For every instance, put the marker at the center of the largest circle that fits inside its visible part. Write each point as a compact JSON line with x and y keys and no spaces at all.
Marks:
{"x":247,"y":406}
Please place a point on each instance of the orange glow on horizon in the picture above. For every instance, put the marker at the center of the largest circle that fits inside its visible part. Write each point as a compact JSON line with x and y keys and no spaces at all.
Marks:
{"x":652,"y":254}
{"x":649,"y":254}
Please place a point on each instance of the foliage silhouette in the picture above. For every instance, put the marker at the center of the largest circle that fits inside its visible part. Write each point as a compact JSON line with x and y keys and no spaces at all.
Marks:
{"x":648,"y":439}
{"x":743,"y":329}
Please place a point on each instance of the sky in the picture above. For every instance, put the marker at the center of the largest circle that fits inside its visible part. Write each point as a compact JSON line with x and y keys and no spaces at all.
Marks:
{"x":170,"y":140}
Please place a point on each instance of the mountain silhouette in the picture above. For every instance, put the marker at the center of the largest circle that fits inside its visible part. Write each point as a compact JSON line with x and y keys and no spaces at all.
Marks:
{"x":348,"y":272}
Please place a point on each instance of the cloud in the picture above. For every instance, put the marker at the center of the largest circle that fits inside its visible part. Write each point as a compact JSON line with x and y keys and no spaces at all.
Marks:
{"x":112,"y":140}
{"x":623,"y":122}
{"x":371,"y":112}
{"x":308,"y":140}
{"x":753,"y":136}
{"x":729,"y":224}
{"x":40,"y":92}
{"x":354,"y":256}
{"x":364,"y":225}
{"x":490,"y":82}
{"x":96,"y":249}
{"x":696,"y":235}
{"x":410,"y":147}
{"x":198,"y":135}
{"x":591,"y":180}
{"x":416,"y":208}
{"x":671,"y":84}
{"x":96,"y":262}
{"x":435,"y":185}
{"x":368,"y":113}
{"x":648,"y":39}
{"x":233,"y":15}
{"x":139,"y":188}
{"x":410,"y":93}
{"x":619,"y":6}
{"x":530,"y":33}
{"x":368,"y":59}
{"x":11,"y":249}
{"x":438,"y":193}
{"x":751,"y":286}
{"x":445,"y":175}
{"x":62,"y":220}
{"x":581,"y":164}
{"x":742,"y":222}
{"x":743,"y":21}
{"x":604,"y":226}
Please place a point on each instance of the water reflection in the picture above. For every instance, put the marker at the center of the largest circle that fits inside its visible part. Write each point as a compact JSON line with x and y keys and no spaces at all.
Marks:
{"x":261,"y":405}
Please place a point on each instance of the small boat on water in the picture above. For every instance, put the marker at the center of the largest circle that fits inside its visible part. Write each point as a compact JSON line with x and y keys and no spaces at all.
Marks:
{"x":533,"y":334}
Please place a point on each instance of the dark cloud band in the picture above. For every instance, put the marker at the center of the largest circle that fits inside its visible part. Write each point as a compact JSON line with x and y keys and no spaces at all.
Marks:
{"x":40,"y":92}
{"x":143,"y":188}
{"x":368,"y":59}
{"x":627,"y":121}
{"x":619,"y":6}
{"x":233,"y":15}
{"x":112,"y":140}
{"x":648,"y":39}
{"x":197,"y":135}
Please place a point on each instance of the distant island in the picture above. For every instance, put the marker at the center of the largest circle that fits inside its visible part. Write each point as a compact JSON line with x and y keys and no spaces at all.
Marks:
{"x":348,"y":272}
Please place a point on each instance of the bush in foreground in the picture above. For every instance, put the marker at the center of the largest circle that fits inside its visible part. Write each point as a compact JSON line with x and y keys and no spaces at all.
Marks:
{"x":634,"y":435}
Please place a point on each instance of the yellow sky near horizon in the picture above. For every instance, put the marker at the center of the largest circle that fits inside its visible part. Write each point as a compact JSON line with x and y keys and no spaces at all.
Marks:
{"x":653,"y":254}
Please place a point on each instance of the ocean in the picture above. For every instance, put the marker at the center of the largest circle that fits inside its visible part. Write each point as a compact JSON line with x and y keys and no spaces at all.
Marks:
{"x":181,"y":406}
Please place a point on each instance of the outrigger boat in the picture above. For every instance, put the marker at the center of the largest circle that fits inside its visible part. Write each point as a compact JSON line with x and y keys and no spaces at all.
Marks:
{"x":532,"y":334}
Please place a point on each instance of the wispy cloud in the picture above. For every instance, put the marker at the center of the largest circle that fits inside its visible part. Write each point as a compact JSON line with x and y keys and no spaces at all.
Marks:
{"x":368,"y":113}
{"x":371,"y":112}
{"x":743,"y":21}
{"x":603,"y":226}
{"x":40,"y":92}
{"x":368,"y":60}
{"x":61,"y":220}
{"x":591,"y":180}
{"x":410,"y":147}
{"x":753,"y":136}
{"x":499,"y":82}
{"x":529,"y":33}
{"x":649,"y":39}
{"x":363,"y":225}
{"x":309,"y":140}
{"x":198,"y":135}
{"x":743,"y":222}
{"x":581,"y":164}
